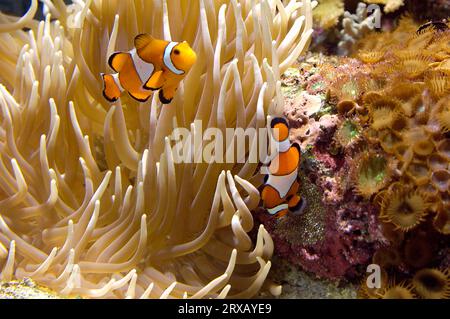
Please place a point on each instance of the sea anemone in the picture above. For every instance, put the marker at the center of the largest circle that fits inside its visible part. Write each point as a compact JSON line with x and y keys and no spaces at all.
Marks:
{"x":441,"y":180}
{"x":390,"y":141}
{"x":412,"y":64}
{"x":384,"y":111}
{"x":93,"y":199}
{"x":346,"y":107}
{"x":419,"y":139}
{"x":432,"y":283}
{"x":383,"y":118}
{"x":437,"y":162}
{"x":444,"y":116}
{"x":404,"y":91}
{"x":371,"y":97}
{"x":438,"y":82}
{"x":408,"y":94}
{"x":400,"y":124}
{"x":404,"y":208}
{"x":404,"y":290}
{"x":348,"y":133}
{"x":441,"y":221}
{"x":371,"y":174}
{"x":348,"y":87}
{"x":404,"y":154}
{"x":418,"y":172}
{"x":443,"y":148}
{"x":370,"y":57}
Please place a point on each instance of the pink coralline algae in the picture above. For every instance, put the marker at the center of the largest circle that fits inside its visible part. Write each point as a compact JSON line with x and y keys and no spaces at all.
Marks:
{"x":349,"y":240}
{"x":338,"y":233}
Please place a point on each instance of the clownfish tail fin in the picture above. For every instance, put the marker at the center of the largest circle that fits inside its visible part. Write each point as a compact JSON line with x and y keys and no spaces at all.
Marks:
{"x":111,"y":87}
{"x":299,"y":207}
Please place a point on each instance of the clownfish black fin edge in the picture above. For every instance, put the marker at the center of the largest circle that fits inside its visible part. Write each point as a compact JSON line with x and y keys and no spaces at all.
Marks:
{"x":112,"y":100}
{"x":162,"y":98}
{"x":111,"y":61}
{"x":138,"y":99}
{"x":297,"y":146}
{"x":145,"y":87}
{"x":299,"y":208}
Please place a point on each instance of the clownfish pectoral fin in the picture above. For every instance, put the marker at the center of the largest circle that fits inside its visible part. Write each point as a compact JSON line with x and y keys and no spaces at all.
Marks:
{"x":163,"y":99}
{"x":155,"y":82}
{"x":140,"y":96}
{"x":142,"y":40}
{"x":111,"y":90}
{"x":117,"y":60}
{"x":166,"y":94}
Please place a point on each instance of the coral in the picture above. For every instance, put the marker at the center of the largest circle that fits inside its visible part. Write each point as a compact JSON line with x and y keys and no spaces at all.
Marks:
{"x":389,"y":5}
{"x":442,"y":219}
{"x":404,"y":208}
{"x":407,"y":120}
{"x":444,"y":114}
{"x":389,"y":105}
{"x":92,"y":200}
{"x":348,"y":133}
{"x":432,"y":283}
{"x":328,"y":12}
{"x":398,"y":291}
{"x":371,"y":173}
{"x":438,"y":82}
{"x":25,"y":289}
{"x":356,"y":26}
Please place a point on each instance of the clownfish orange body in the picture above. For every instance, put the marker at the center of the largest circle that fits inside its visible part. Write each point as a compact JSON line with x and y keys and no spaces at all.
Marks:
{"x":281,"y":184}
{"x":152,"y":65}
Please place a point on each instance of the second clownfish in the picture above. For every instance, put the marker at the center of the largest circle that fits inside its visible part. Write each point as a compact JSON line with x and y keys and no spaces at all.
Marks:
{"x":281,"y":184}
{"x":152,"y":65}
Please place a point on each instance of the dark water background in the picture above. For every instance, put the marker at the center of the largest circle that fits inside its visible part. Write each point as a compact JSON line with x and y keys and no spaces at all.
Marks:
{"x":20,"y":7}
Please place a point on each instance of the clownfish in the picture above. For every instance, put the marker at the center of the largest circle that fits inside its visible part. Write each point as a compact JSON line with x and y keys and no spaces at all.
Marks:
{"x":152,"y":65}
{"x":281,"y":184}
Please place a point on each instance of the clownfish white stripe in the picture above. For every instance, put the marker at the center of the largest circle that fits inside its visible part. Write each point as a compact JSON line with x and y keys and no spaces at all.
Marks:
{"x":282,"y":183}
{"x":143,"y":69}
{"x":276,"y":209}
{"x":284,"y":146}
{"x":168,"y":60}
{"x":117,"y":81}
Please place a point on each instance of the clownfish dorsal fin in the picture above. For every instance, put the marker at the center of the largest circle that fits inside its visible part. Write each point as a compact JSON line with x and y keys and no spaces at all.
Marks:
{"x":142,"y":40}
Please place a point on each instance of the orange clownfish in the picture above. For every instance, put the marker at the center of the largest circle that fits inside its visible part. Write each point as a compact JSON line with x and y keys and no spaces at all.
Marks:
{"x":281,"y":184}
{"x":152,"y":65}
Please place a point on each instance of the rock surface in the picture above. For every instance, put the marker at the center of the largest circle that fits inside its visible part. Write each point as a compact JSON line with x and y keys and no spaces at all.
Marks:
{"x":25,"y":289}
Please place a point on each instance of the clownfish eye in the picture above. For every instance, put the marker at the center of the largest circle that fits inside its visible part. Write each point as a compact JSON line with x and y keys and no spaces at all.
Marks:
{"x":176,"y":52}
